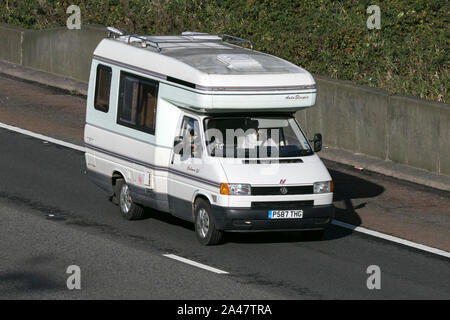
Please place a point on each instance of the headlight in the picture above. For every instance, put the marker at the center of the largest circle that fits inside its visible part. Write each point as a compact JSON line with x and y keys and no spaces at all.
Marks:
{"x":323,"y":187}
{"x":235,"y":189}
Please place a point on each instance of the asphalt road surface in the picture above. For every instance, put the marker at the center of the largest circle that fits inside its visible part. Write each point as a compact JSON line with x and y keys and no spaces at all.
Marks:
{"x":52,"y":216}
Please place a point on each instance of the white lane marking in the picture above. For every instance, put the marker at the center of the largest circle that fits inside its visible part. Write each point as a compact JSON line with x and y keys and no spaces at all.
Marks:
{"x":42,"y":137}
{"x":195,"y":264}
{"x":392,"y":238}
{"x":335,"y":222}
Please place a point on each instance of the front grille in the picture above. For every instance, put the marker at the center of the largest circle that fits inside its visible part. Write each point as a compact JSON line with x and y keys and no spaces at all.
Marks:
{"x":282,"y":204}
{"x":276,"y":191}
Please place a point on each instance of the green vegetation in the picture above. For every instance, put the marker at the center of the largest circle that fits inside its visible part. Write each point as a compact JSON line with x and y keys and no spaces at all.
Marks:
{"x":408,"y":55}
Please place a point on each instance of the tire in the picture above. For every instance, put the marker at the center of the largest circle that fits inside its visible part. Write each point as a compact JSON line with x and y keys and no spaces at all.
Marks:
{"x":313,"y":235}
{"x":128,"y":209}
{"x":115,"y":197}
{"x":205,"y":228}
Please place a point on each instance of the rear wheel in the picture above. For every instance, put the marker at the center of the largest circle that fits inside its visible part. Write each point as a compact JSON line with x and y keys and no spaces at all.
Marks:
{"x":128,"y":209}
{"x":205,"y":227}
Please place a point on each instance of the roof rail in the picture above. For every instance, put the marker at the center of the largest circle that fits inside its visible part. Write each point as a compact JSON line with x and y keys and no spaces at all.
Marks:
{"x":112,"y":30}
{"x":123,"y":33}
{"x":145,"y":41}
{"x":235,"y":39}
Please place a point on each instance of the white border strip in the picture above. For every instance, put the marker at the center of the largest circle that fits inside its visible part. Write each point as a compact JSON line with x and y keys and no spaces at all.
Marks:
{"x":42,"y":137}
{"x":195,"y":264}
{"x":335,"y":222}
{"x":392,"y":238}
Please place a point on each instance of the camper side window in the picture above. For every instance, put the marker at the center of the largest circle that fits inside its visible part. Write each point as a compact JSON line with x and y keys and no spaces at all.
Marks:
{"x":137,"y":102}
{"x":102,"y":88}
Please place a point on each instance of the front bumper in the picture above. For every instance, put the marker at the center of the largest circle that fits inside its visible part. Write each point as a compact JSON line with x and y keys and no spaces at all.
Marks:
{"x":248,"y":219}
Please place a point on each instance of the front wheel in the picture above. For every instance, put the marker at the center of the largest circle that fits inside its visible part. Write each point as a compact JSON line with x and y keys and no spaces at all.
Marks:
{"x":128,"y":209}
{"x":205,"y":227}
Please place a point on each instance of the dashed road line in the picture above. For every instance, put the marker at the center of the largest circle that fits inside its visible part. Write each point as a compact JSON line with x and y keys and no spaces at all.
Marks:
{"x":195,"y":264}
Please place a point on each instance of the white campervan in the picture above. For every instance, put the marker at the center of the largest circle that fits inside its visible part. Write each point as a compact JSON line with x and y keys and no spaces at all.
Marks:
{"x":204,"y":129}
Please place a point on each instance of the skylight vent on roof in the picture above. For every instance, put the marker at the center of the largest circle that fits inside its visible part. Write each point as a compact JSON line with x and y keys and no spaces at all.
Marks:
{"x":240,"y":62}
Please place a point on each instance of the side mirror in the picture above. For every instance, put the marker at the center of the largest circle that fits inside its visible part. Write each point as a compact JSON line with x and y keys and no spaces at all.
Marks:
{"x":317,"y":142}
{"x":178,"y":145}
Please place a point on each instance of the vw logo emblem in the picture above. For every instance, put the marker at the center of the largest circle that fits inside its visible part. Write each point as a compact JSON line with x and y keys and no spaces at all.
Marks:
{"x":283,"y":190}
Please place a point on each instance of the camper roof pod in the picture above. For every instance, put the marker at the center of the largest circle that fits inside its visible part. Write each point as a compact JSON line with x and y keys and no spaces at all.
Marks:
{"x":207,"y":73}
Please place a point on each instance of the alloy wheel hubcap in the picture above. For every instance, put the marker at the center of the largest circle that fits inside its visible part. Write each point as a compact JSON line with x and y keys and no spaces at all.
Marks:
{"x":203,"y":222}
{"x":125,"y":198}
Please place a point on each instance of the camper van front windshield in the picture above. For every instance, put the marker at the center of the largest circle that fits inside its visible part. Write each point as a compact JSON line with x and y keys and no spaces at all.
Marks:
{"x":255,"y":137}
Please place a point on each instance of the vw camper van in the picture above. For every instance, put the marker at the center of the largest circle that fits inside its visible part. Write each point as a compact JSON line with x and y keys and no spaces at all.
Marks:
{"x":203,"y":127}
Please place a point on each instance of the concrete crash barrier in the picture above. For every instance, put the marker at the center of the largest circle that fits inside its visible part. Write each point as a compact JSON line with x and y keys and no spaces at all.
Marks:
{"x":12,"y":38}
{"x":354,"y":118}
{"x":59,"y":51}
{"x":370,"y":121}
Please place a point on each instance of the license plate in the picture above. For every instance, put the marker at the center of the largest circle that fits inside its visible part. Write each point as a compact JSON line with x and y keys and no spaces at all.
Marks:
{"x":285,"y":214}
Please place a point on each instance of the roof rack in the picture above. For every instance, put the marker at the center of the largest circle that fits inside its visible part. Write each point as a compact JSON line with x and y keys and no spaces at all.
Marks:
{"x":145,"y":41}
{"x":235,"y":39}
{"x":122,"y":33}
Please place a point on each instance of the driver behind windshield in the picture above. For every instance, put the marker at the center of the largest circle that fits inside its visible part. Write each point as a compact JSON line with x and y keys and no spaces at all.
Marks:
{"x":255,"y":136}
